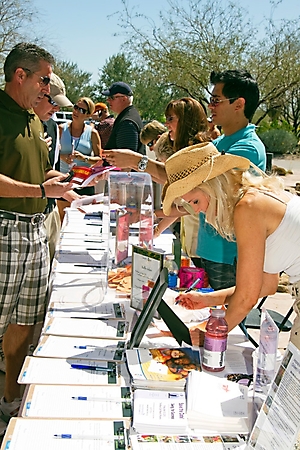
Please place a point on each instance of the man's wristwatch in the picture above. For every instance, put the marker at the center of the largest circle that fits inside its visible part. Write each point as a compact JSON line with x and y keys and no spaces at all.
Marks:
{"x":142,"y":165}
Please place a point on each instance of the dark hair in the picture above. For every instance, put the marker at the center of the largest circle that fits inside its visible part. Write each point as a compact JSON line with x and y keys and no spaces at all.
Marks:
{"x":25,"y":55}
{"x":192,"y":125}
{"x":238,"y":83}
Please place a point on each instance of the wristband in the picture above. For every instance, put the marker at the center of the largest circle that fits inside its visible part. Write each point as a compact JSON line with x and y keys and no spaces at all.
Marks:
{"x":43,"y":191}
{"x":86,"y":159}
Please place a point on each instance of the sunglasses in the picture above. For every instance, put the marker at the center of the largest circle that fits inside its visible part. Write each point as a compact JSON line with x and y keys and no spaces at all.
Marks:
{"x":52,"y":102}
{"x":44,"y":80}
{"x":151,"y":143}
{"x":241,"y":378}
{"x":113,"y":97}
{"x":81,"y":110}
{"x":170,"y":118}
{"x":213,"y":101}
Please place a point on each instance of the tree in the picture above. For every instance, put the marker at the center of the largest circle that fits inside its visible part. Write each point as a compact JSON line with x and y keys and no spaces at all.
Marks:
{"x":150,"y":96}
{"x":15,"y":18}
{"x":193,"y":40}
{"x":77,"y":82}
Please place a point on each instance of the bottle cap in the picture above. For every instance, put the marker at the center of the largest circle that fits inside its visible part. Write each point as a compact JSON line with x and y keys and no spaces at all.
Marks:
{"x":218,"y":312}
{"x":171,"y":257}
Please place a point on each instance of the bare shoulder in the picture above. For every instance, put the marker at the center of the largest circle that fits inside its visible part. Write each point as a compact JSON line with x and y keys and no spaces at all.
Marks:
{"x":251,"y":201}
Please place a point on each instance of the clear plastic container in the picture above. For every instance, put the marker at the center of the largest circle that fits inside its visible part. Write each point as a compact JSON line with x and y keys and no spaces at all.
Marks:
{"x":215,"y":342}
{"x":172,"y":267}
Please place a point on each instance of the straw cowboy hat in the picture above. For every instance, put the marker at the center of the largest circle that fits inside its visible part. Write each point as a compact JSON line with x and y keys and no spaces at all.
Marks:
{"x":193,"y":165}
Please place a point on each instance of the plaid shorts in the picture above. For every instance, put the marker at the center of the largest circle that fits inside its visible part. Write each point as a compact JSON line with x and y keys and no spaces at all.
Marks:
{"x":24,"y":269}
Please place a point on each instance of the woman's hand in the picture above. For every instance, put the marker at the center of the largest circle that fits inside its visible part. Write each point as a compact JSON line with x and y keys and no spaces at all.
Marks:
{"x":122,"y":158}
{"x":78,"y":155}
{"x":194,"y":300}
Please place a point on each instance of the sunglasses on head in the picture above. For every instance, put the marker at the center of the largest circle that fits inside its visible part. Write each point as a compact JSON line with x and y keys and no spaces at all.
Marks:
{"x":213,"y":101}
{"x":81,"y":110}
{"x":52,"y":102}
{"x":44,"y":80}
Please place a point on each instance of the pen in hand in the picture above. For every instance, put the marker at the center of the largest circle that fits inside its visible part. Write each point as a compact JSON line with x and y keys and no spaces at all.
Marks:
{"x":177,"y":301}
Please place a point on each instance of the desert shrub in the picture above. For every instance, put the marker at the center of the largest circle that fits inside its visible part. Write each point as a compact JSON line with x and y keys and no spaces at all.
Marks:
{"x":279,"y":141}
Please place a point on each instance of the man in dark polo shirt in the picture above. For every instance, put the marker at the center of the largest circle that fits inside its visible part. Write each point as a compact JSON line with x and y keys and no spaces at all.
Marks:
{"x":26,"y":180}
{"x":128,"y":124}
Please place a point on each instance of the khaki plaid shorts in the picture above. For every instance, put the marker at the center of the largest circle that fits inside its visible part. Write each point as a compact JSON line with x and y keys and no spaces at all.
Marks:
{"x":24,"y":269}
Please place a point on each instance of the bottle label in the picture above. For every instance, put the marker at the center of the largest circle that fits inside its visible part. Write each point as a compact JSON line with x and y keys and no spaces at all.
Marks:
{"x":214,"y":352}
{"x":213,"y":359}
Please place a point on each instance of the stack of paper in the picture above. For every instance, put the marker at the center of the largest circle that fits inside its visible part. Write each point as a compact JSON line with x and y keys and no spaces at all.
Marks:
{"x":216,"y":404}
{"x":162,"y":368}
{"x":80,"y":348}
{"x":78,"y":402}
{"x":58,"y":434}
{"x":69,"y":371}
{"x":107,"y":329}
{"x":159,"y":411}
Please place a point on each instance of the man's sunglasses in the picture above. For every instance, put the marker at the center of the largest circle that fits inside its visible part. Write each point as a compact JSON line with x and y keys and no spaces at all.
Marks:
{"x":52,"y":102}
{"x":44,"y":80}
{"x":213,"y":101}
{"x":81,"y":110}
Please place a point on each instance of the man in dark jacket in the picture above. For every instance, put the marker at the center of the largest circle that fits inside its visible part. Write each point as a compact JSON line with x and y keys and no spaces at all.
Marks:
{"x":128,"y":124}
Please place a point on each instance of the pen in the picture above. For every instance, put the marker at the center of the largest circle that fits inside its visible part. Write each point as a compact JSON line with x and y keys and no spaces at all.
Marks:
{"x":96,"y":368}
{"x":102,"y":399}
{"x":89,"y":265}
{"x":84,"y":347}
{"x":76,"y":436}
{"x":188,"y":290}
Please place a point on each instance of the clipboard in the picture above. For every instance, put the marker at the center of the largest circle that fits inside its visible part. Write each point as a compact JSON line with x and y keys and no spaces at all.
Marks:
{"x":40,"y":433}
{"x":60,"y":371}
{"x":77,"y":402}
{"x":51,"y":346}
{"x":94,"y":328}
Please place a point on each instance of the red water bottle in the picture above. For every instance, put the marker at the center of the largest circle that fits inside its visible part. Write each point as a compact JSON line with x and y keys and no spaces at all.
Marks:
{"x":215,"y":342}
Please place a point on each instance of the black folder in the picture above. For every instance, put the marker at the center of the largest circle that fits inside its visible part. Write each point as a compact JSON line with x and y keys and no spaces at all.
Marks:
{"x":155,"y":302}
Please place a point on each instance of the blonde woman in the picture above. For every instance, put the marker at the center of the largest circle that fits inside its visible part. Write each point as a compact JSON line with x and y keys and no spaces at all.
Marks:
{"x":80,"y":144}
{"x":253,"y":210}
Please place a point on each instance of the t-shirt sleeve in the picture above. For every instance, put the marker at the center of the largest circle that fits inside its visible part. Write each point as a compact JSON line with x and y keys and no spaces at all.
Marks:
{"x":249,"y":151}
{"x":128,"y":136}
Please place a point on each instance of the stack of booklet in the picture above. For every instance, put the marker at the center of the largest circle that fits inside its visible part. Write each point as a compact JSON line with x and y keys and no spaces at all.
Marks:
{"x":216,"y":404}
{"x":159,"y":411}
{"x":162,"y":368}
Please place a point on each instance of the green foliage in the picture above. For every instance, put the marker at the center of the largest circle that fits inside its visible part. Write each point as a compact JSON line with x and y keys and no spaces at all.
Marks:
{"x":150,"y":96}
{"x":77,"y":82}
{"x":279,"y":141}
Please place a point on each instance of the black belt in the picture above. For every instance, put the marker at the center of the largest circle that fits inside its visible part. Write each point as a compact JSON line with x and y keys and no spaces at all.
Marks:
{"x":35,"y":219}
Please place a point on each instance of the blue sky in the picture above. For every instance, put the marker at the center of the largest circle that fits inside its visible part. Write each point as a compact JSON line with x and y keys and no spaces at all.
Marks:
{"x":83,"y":31}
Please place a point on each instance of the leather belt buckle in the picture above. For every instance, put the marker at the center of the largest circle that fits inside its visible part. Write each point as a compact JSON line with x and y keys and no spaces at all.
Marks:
{"x":38,"y":218}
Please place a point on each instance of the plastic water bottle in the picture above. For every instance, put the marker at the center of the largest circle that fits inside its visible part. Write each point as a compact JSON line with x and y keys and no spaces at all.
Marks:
{"x":172,"y":267}
{"x":267,"y":355}
{"x":215,"y":342}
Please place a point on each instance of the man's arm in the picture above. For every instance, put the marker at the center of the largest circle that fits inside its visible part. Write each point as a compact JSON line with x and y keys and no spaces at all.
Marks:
{"x":54,"y":187}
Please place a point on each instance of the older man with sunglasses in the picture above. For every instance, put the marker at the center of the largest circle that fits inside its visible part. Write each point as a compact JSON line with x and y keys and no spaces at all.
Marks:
{"x":26,"y":180}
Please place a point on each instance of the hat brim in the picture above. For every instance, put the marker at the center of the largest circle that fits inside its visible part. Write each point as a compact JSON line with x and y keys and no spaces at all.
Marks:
{"x":221,"y":164}
{"x":106,"y":93}
{"x":62,"y":100}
